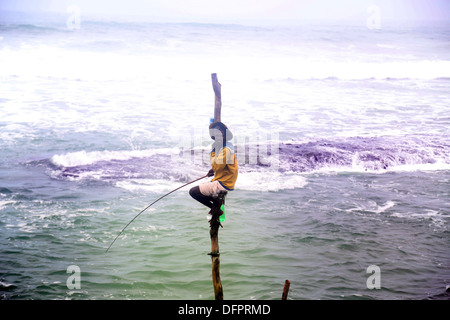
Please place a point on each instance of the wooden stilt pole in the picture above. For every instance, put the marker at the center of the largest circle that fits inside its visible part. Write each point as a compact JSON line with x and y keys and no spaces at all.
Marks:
{"x":287,"y":284}
{"x":214,"y":229}
{"x":218,"y":97}
{"x":215,"y":259}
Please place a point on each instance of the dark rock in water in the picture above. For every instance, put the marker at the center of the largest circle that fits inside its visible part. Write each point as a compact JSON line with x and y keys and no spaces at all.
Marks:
{"x":5,"y":191}
{"x":441,"y":296}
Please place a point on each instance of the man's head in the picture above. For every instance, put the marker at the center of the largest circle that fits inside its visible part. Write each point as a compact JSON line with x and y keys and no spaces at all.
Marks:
{"x":219,"y":131}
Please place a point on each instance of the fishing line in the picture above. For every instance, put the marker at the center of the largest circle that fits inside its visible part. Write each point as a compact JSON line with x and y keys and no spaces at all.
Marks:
{"x":149,"y":207}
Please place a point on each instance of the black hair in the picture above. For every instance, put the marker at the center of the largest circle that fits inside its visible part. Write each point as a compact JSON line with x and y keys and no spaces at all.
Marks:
{"x":226,"y":133}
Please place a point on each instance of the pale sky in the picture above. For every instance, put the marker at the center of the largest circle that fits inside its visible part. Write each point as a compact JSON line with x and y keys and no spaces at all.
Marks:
{"x":238,"y":11}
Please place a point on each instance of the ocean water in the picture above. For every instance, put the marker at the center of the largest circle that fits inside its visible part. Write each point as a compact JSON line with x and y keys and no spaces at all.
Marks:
{"x":342,"y":137}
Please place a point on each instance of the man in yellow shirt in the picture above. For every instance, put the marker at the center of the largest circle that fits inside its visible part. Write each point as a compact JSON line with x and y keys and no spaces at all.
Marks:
{"x":224,"y":169}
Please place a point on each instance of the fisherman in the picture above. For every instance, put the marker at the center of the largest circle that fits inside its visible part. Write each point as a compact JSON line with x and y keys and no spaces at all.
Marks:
{"x":224,"y":169}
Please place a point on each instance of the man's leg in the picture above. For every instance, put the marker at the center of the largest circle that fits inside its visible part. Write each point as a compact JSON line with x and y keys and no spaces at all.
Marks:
{"x":197,"y":195}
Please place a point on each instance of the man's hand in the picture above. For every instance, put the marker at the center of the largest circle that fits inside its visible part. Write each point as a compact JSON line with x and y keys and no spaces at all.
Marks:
{"x":210,"y":173}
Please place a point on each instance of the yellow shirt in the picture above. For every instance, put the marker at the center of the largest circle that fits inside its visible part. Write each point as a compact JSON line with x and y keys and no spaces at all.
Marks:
{"x":225,"y":166}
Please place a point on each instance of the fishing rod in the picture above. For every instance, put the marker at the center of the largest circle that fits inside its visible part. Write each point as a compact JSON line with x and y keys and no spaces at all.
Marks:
{"x":149,"y":207}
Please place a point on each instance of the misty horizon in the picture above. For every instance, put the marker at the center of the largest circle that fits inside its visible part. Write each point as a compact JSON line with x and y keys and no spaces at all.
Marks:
{"x":267,"y":11}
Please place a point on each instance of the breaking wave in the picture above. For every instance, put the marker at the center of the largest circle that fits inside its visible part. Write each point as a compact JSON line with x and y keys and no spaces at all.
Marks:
{"x":363,"y":154}
{"x":283,"y":165}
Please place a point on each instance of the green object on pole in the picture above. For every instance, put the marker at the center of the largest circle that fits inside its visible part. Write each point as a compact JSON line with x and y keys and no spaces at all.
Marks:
{"x":222,"y":217}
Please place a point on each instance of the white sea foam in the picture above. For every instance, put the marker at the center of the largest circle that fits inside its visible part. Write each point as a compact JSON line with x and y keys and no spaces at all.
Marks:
{"x":249,"y":181}
{"x":46,"y":60}
{"x":438,"y":219}
{"x":270,"y":181}
{"x":80,"y":158}
{"x":4,"y":204}
{"x":372,"y":207}
{"x":332,"y":169}
{"x":148,"y":185}
{"x":386,"y":206}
